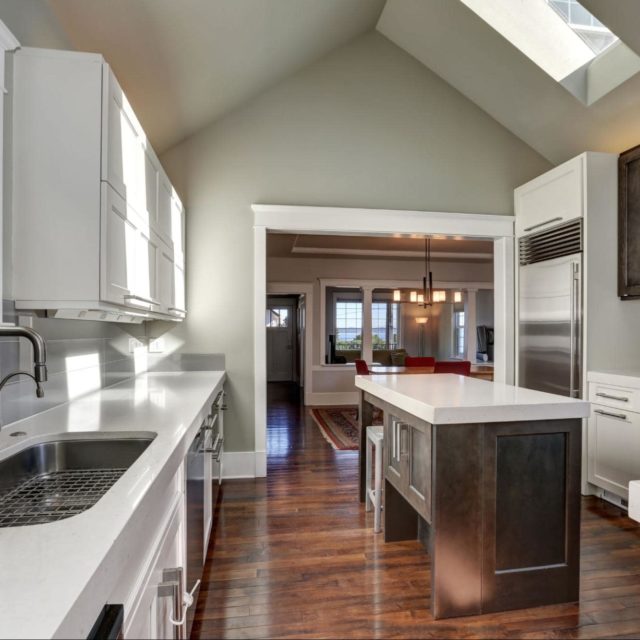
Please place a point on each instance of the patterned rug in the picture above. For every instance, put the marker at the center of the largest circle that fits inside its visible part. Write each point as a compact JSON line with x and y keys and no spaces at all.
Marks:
{"x":339,"y":426}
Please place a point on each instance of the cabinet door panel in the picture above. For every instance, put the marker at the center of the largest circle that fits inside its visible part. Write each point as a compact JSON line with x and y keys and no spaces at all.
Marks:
{"x":178,"y":229}
{"x":129,"y":164}
{"x":614,"y":443}
{"x":550,"y":199}
{"x":165,"y":203}
{"x":629,"y":224}
{"x":146,"y":268}
{"x":179,"y":299}
{"x":165,"y":280}
{"x":119,"y":239}
{"x":151,"y":610}
{"x":394,"y":456}
{"x":419,"y":470}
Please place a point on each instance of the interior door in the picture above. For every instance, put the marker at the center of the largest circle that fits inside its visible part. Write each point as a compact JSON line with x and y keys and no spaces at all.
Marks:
{"x":280,"y":324}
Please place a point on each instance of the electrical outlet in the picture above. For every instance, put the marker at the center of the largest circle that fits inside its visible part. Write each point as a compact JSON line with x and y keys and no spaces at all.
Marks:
{"x":156,"y":345}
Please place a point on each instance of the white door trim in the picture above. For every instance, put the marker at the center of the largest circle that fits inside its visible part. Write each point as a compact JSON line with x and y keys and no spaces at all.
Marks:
{"x":382,"y":222}
{"x":306,"y":289}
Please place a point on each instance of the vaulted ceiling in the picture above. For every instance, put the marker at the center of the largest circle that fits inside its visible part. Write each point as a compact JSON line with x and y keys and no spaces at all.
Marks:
{"x":187,"y":63}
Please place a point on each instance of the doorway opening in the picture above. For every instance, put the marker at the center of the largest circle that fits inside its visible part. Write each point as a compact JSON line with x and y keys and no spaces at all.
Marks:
{"x":324,"y":375}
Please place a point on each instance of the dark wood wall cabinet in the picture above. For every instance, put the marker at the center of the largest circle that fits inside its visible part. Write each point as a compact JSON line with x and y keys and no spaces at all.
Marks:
{"x":629,"y":224}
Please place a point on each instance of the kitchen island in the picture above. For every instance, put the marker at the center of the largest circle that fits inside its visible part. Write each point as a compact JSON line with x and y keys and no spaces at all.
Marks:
{"x":487,"y":475}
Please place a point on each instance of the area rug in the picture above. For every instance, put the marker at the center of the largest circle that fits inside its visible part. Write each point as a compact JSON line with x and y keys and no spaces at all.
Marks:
{"x":339,"y":426}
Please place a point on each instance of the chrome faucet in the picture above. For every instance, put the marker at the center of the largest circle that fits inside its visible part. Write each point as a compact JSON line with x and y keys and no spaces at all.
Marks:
{"x":39,"y":356}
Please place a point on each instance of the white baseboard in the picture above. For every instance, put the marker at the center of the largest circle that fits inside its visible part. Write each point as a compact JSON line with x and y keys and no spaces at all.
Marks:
{"x":334,"y":398}
{"x":243,"y":464}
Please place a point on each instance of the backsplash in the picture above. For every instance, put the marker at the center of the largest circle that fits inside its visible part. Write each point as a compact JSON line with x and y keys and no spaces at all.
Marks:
{"x":82,"y":356}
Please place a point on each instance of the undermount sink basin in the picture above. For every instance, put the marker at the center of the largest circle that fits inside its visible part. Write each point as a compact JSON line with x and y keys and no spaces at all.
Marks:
{"x":60,"y":479}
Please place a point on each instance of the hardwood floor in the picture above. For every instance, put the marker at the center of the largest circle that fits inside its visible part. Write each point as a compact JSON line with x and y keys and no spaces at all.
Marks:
{"x":293,"y":555}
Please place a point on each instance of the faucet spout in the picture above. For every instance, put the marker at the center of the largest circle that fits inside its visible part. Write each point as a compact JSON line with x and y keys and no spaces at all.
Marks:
{"x":39,"y":353}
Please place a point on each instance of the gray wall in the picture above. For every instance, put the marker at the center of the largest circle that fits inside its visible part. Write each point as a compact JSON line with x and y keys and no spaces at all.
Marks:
{"x":366,"y":126}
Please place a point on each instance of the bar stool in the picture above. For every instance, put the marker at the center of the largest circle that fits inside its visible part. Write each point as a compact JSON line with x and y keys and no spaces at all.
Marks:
{"x":375,"y":442}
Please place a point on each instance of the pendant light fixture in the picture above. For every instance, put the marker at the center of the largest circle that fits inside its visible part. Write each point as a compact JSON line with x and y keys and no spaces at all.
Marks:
{"x":427,"y":296}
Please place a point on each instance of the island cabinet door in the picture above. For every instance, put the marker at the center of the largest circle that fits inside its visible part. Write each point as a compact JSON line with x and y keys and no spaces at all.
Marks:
{"x":408,"y":462}
{"x":419,"y":469}
{"x":531,"y":514}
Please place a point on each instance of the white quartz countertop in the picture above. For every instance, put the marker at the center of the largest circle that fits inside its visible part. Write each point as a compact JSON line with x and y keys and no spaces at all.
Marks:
{"x":453,"y":399}
{"x":49,"y":572}
{"x":622,"y":377}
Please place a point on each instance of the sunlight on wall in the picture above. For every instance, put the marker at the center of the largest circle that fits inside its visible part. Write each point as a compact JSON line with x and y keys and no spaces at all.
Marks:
{"x":140,"y":359}
{"x":83,"y":374}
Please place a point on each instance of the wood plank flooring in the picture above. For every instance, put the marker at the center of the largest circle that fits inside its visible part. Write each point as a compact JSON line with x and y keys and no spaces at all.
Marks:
{"x":294,"y":556}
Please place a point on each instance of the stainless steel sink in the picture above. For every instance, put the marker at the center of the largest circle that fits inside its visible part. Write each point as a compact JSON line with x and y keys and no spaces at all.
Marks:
{"x":56,"y":480}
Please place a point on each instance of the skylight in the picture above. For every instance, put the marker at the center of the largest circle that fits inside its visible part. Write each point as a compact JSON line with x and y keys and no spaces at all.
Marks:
{"x":560,"y":36}
{"x":595,"y":35}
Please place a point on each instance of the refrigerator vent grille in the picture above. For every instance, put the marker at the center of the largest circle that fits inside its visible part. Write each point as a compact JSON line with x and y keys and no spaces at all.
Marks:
{"x":562,"y":240}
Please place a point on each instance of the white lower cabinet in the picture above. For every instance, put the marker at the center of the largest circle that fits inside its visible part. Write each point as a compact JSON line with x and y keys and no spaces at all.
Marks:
{"x":154,"y":603}
{"x":614,"y":449}
{"x":613,"y":440}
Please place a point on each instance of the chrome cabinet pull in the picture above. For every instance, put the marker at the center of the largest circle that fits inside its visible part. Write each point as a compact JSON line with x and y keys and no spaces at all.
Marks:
{"x":619,"y":416}
{"x":404,"y":440}
{"x":541,"y":224}
{"x":601,"y":394}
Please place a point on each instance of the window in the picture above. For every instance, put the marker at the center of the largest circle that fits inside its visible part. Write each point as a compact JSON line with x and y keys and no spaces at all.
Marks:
{"x":458,"y":333}
{"x":348,"y":325}
{"x":385,"y":325}
{"x":277,"y":318}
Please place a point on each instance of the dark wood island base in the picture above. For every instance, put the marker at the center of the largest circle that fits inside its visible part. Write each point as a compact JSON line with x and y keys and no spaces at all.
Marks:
{"x":497,"y":503}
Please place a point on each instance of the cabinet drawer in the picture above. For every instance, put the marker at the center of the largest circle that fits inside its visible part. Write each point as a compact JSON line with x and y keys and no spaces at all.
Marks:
{"x":614,"y":396}
{"x":614,"y":449}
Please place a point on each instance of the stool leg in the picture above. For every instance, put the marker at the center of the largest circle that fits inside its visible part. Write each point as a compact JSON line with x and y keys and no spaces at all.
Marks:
{"x":377,"y":517}
{"x":367,"y":491}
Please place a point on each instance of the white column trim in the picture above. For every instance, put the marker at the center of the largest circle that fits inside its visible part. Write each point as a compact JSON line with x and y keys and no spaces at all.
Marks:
{"x":471,"y":316}
{"x":260,"y":344}
{"x":367,"y":323}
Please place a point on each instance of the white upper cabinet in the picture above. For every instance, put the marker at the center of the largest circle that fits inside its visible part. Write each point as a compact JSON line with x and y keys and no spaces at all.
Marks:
{"x":98,"y":224}
{"x":551,"y":199}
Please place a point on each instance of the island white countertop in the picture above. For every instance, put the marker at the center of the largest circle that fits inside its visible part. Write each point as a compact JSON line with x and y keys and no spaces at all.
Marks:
{"x":454,"y":399}
{"x":55,"y":577}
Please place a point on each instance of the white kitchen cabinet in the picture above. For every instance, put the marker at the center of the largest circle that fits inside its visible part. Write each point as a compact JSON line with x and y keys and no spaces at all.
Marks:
{"x":552,"y":198}
{"x":100,"y":227}
{"x":614,"y":449}
{"x":613,"y":434}
{"x":153,"y":606}
{"x":118,"y":241}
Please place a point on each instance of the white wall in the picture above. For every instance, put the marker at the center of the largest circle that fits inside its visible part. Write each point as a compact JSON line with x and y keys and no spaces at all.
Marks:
{"x":366,"y":126}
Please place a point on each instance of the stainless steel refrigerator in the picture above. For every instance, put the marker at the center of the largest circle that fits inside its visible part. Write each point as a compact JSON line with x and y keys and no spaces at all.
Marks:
{"x":550,"y":310}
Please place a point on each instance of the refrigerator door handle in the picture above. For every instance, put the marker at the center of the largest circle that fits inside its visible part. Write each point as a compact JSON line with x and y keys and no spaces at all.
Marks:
{"x":575,"y":331}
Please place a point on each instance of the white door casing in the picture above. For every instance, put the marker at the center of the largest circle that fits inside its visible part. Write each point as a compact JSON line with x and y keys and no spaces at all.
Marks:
{"x":377,"y":222}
